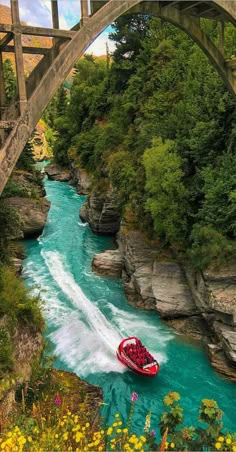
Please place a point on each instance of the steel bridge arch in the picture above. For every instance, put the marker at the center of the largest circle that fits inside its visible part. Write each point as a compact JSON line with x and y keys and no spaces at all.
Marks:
{"x":56,"y":65}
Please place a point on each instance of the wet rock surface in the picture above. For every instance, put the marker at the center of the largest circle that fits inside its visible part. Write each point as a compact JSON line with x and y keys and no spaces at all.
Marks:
{"x":201,"y":306}
{"x":57,"y":172}
{"x":101,"y":213}
{"x":109,"y":263}
{"x":32,"y":214}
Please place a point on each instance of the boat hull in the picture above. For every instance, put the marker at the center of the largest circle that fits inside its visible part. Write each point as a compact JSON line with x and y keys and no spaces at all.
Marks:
{"x":150,"y":370}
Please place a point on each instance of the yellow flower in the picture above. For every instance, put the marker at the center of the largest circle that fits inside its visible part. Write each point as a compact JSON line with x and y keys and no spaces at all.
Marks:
{"x":112,"y":446}
{"x":125,"y":430}
{"x":228,"y":440}
{"x":166,"y":445}
{"x":109,"y":431}
{"x":172,"y":445}
{"x":29,"y":439}
{"x":56,"y":435}
{"x":119,"y":423}
{"x":217,"y":445}
{"x":117,"y":415}
{"x":143,"y":439}
{"x":65,"y":436}
{"x":87,"y":424}
{"x":234,"y":449}
{"x":221,"y":439}
{"x":115,"y":424}
{"x":78,"y":437}
{"x":119,"y":430}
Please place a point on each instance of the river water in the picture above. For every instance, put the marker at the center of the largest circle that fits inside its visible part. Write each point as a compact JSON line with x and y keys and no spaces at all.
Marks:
{"x":87,"y":316}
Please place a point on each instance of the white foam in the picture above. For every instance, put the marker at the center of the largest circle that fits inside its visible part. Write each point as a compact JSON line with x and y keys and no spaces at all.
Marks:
{"x":82,"y":224}
{"x":84,"y":338}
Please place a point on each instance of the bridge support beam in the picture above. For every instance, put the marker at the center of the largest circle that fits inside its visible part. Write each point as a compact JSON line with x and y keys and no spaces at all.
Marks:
{"x":19,"y":55}
{"x":2,"y":99}
{"x":55,"y":15}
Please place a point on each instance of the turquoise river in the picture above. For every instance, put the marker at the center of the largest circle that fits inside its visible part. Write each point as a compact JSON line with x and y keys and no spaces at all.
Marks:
{"x":87,"y":316}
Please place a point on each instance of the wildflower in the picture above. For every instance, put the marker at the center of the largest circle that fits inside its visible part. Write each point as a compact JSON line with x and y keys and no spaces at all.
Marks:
{"x":221,"y":439}
{"x":172,"y":445}
{"x":57,"y":400}
{"x":109,"y":431}
{"x":143,"y":439}
{"x":78,"y":437}
{"x":234,"y":449}
{"x":228,"y":441}
{"x":119,"y":430}
{"x":134,"y":397}
{"x":65,"y":436}
{"x":147,"y":423}
{"x":166,"y":445}
{"x":117,"y":415}
{"x":125,"y":430}
{"x":152,"y":432}
{"x":87,"y":424}
{"x":218,"y":445}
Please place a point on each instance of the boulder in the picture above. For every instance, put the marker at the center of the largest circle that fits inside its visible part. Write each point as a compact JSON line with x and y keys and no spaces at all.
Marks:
{"x":109,"y":263}
{"x":32,"y":214}
{"x":220,"y":363}
{"x":57,"y":172}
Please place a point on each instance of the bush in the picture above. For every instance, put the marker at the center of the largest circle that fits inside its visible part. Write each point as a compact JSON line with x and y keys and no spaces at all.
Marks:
{"x":210,"y":247}
{"x":17,"y":301}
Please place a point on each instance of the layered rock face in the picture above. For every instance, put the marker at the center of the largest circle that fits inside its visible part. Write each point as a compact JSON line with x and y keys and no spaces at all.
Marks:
{"x":56,"y":172}
{"x":32,"y":214}
{"x":101,"y":213}
{"x":109,"y":263}
{"x":81,"y":180}
{"x":201,"y":306}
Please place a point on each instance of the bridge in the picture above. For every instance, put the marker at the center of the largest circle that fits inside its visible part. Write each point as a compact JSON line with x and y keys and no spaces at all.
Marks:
{"x":18,"y":120}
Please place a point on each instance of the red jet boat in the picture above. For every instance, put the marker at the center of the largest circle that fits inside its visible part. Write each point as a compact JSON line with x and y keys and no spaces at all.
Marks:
{"x":134,"y":355}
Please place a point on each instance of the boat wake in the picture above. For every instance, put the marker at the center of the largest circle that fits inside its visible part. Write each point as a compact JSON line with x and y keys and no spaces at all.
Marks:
{"x":85,"y":340}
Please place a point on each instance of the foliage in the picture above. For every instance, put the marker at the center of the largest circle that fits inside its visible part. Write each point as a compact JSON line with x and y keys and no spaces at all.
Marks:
{"x":167,"y":196}
{"x":210,"y":247}
{"x":60,"y":428}
{"x":9,"y":227}
{"x":17,"y":302}
{"x":10,"y":80}
{"x":26,"y":160}
{"x":158,"y":122}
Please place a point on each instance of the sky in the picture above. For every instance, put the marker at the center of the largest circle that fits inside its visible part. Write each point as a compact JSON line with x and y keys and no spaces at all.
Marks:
{"x":38,"y":13}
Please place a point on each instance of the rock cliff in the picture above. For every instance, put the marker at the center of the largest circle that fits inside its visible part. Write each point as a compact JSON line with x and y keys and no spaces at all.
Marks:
{"x":201,"y":306}
{"x":101,"y":213}
{"x":32,"y":214}
{"x":56,"y":172}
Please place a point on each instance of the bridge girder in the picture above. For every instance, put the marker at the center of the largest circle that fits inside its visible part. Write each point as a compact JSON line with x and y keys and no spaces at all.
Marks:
{"x":68,"y":47}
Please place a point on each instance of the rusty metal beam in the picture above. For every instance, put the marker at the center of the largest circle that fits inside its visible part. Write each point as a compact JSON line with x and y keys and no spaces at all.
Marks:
{"x":29,"y":50}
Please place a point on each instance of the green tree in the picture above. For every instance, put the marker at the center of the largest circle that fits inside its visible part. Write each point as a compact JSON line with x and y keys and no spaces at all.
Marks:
{"x":167,"y":195}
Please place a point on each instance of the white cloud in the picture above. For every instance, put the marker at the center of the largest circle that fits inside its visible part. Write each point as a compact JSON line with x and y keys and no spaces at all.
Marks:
{"x":99,"y":45}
